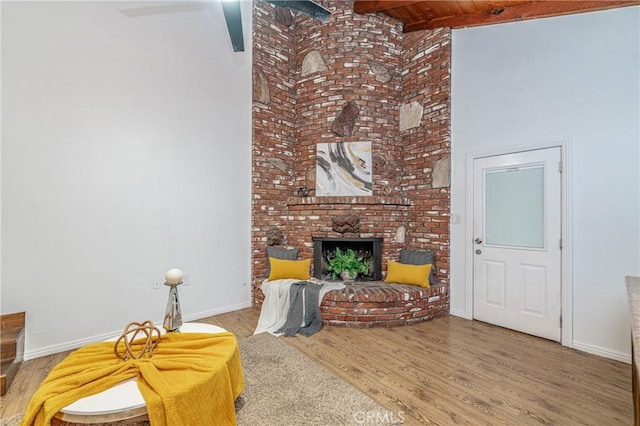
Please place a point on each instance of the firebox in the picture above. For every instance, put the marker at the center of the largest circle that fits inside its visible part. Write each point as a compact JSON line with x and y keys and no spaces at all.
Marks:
{"x":370,"y":249}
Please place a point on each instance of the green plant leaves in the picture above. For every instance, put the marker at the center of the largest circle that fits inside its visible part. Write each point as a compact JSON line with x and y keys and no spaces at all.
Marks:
{"x":347,"y":261}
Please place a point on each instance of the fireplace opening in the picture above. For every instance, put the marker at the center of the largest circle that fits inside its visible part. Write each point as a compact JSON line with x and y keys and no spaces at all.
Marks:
{"x":370,"y":249}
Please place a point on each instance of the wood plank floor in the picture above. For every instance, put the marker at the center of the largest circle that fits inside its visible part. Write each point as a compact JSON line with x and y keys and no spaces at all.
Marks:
{"x":447,"y":371}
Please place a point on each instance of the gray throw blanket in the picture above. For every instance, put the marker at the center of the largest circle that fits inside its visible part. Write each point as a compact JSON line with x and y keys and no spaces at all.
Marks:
{"x":304,"y":311}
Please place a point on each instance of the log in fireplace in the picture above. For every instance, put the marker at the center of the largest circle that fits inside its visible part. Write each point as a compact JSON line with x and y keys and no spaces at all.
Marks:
{"x":324,"y":248}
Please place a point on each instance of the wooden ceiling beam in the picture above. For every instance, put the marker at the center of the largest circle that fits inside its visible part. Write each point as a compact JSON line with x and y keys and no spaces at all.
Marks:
{"x":519,"y":12}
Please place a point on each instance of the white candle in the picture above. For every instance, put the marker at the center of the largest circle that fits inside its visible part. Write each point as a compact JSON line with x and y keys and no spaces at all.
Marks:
{"x":173,"y":276}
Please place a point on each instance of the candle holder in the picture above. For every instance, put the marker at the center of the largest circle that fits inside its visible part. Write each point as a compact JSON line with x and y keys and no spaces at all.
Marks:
{"x":172,"y":315}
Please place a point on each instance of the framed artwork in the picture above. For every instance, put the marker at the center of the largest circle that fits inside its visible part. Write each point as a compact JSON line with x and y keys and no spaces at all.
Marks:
{"x":343,"y":168}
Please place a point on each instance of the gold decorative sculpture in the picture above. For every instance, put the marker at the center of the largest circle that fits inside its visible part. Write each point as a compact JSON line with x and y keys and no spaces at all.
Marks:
{"x":133,"y":331}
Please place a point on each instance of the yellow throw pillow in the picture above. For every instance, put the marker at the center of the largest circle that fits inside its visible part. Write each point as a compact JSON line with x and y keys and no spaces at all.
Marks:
{"x":401,"y":273}
{"x":281,"y":269}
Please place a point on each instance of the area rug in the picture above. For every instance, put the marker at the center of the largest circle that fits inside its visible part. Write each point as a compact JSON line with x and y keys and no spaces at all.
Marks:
{"x":11,"y":421}
{"x":284,"y":387}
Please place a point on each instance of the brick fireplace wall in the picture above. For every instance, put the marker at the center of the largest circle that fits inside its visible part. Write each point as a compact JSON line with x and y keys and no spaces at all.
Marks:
{"x":427,"y":148}
{"x":273,"y":122}
{"x":367,"y":61}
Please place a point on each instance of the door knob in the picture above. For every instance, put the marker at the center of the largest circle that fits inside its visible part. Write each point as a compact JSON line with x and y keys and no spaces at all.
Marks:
{"x":478,"y":240}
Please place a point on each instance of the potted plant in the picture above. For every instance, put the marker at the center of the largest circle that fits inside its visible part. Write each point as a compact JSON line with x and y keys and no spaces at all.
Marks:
{"x":347,"y":265}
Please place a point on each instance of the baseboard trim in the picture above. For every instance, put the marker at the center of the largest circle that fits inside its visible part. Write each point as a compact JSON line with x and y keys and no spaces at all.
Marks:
{"x":67,"y":346}
{"x":216,"y":311}
{"x":603,"y":352}
{"x":459,"y":313}
{"x":75,"y":344}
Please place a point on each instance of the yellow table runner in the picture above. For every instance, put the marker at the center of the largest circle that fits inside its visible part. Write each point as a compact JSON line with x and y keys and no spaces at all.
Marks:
{"x":192,"y":379}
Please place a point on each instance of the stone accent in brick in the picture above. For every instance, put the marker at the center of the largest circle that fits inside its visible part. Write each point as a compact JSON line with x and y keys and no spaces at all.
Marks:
{"x":379,"y":163}
{"x":345,"y":223}
{"x":284,"y":16}
{"x":346,"y":120}
{"x":313,"y":63}
{"x":441,"y":173}
{"x":310,"y":181}
{"x":278,"y":163}
{"x":410,"y":116}
{"x":260,"y":87}
{"x":275,"y":237}
{"x":382,"y":74}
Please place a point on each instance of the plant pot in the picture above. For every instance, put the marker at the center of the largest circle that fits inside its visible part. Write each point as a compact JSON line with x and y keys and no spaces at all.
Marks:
{"x":348,"y":276}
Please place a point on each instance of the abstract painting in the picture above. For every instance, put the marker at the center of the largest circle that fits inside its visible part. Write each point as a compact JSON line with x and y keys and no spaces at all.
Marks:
{"x":343,"y":168}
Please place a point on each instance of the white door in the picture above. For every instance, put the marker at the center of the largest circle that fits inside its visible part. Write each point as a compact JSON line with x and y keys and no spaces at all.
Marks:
{"x":517,"y":241}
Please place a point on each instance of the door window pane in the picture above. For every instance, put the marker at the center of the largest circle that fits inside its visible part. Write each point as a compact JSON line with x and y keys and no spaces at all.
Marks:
{"x":514,"y":207}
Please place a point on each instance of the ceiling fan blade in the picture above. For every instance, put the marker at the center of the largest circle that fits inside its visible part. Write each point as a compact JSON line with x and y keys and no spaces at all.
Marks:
{"x":307,"y":7}
{"x":234,"y":24}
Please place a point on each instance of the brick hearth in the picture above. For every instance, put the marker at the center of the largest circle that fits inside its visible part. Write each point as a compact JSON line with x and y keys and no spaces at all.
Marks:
{"x":378,"y":304}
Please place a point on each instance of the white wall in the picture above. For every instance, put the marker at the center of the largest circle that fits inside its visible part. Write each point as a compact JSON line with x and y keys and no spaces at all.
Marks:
{"x":126,"y":146}
{"x":574,"y":78}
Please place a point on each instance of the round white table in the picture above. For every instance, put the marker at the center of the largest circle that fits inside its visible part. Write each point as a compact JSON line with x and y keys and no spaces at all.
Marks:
{"x":123,"y":401}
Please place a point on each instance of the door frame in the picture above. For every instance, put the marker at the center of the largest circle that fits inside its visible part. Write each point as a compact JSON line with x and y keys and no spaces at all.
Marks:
{"x":566,"y":261}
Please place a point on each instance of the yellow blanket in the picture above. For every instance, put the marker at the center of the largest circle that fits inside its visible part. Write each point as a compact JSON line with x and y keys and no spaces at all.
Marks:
{"x":192,"y":379}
